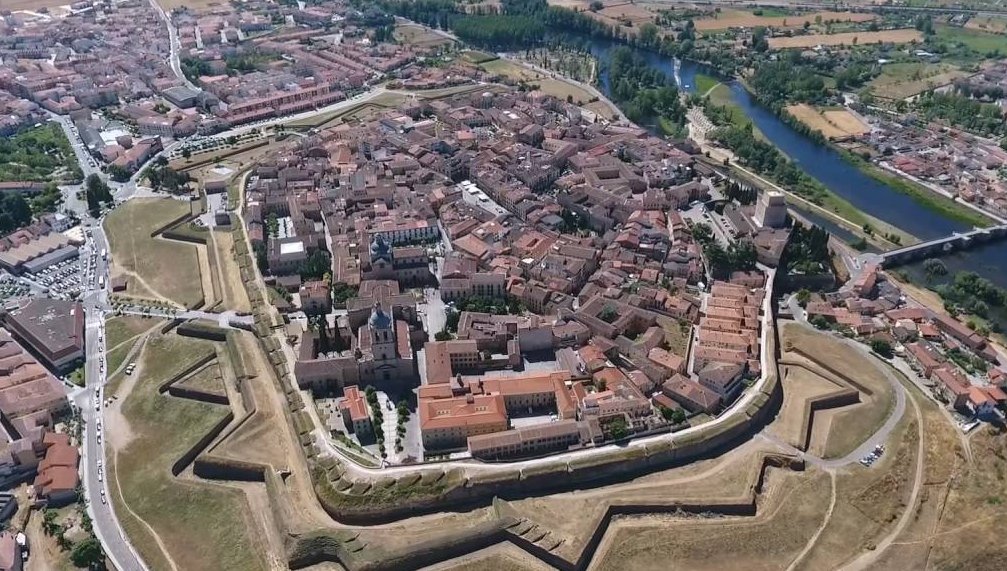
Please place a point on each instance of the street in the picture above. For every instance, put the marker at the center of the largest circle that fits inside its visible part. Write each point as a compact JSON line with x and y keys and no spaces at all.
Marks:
{"x":99,"y":504}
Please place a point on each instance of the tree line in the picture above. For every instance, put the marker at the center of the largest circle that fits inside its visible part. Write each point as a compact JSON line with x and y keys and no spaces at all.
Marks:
{"x":643,"y":92}
{"x":807,"y":252}
{"x":962,"y":111}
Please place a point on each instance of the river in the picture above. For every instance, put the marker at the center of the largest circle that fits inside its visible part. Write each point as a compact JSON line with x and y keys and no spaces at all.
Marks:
{"x":826,"y":165}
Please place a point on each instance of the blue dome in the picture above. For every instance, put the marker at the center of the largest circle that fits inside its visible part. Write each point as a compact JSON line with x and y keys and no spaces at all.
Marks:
{"x":379,"y":319}
{"x":380,"y":249}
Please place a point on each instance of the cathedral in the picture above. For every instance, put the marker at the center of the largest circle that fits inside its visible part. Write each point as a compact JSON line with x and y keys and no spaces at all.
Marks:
{"x":408,"y":265}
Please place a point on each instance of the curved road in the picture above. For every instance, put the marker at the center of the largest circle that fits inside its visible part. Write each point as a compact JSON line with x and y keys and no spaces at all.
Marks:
{"x":738,"y":407}
{"x":878,"y":437}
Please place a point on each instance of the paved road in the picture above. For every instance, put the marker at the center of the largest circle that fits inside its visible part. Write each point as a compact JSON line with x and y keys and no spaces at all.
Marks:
{"x":173,"y":60}
{"x":106,"y":526}
{"x":880,"y":436}
{"x":738,"y":407}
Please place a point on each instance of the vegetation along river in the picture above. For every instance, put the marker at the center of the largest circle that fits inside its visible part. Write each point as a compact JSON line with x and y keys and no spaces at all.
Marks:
{"x":826,"y":165}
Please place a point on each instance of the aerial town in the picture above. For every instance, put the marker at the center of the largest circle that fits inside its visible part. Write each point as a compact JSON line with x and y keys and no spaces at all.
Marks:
{"x":297,"y":273}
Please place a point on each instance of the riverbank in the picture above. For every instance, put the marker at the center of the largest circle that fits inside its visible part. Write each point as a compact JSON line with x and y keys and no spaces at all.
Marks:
{"x":932,"y":200}
{"x":925,"y":197}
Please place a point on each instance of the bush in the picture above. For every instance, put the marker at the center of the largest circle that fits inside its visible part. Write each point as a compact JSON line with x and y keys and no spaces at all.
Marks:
{"x":882,"y":347}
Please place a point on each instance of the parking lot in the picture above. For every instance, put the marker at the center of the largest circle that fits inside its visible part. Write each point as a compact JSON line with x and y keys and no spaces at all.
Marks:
{"x":62,"y":280}
{"x":12,"y":287}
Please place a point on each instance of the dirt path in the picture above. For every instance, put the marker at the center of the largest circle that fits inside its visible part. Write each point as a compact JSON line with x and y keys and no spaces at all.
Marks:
{"x":118,"y":435}
{"x":136,"y":516}
{"x":825,"y":523}
{"x":157,"y":295}
{"x":869,"y":559}
{"x":45,"y":555}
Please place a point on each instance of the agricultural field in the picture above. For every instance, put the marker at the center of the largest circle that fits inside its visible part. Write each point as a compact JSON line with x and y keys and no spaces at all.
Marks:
{"x":746,"y":19}
{"x":31,"y":5}
{"x":903,"y":80}
{"x":156,"y":268}
{"x":975,"y":40}
{"x":837,"y":123}
{"x":194,"y":5}
{"x":152,"y":431}
{"x":990,"y":24}
{"x":903,"y":36}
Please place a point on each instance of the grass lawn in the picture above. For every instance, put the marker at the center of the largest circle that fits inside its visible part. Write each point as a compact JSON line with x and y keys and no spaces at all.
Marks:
{"x":705,"y":83}
{"x":477,"y":57}
{"x":721,"y":96}
{"x":200,"y":525}
{"x":119,"y":329}
{"x":510,"y":69}
{"x":975,"y":40}
{"x":170,"y":269}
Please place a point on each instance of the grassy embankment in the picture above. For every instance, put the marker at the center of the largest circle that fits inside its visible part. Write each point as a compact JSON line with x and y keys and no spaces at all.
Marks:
{"x":169,"y":267}
{"x":200,"y":526}
{"x":920,"y":194}
{"x":118,"y":331}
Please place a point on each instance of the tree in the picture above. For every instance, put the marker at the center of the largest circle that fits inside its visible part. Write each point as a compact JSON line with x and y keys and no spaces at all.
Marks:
{"x":934,"y":267}
{"x":608,"y":314}
{"x":14,"y":212}
{"x":96,"y":192}
{"x":452,"y":320}
{"x":316,"y":265}
{"x":443,"y":335}
{"x":186,"y":153}
{"x":49,"y":525}
{"x":118,"y":173}
{"x":617,"y":428}
{"x":88,"y":554}
{"x":803,"y":297}
{"x":597,"y":5}
{"x":882,"y":347}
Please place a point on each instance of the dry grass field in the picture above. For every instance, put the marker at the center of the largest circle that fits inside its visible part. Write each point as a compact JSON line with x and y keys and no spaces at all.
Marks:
{"x":903,"y":80}
{"x":233,"y":293}
{"x":155,"y":267}
{"x":851,"y":425}
{"x":741,"y":19}
{"x":764,"y":541}
{"x":31,"y":5}
{"x":512,"y":70}
{"x":194,"y":5}
{"x":846,"y":121}
{"x":800,"y":385}
{"x":833,"y":123}
{"x":903,"y":36}
{"x":195,"y":525}
{"x":419,"y":36}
